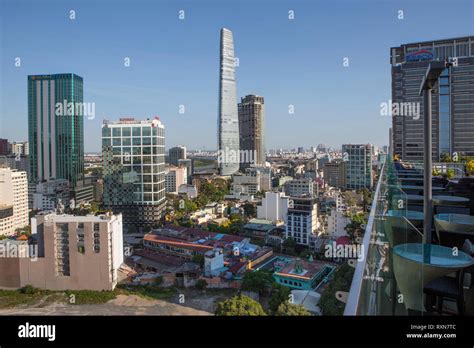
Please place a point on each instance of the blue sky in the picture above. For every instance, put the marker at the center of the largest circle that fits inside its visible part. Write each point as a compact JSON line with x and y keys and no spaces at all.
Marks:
{"x":176,"y":62}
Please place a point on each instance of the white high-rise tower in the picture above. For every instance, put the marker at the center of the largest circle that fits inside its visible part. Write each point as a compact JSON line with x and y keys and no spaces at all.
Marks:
{"x":228,"y":122}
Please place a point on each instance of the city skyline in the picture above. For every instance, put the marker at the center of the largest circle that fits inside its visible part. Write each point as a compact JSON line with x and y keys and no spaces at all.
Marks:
{"x":160,"y":81}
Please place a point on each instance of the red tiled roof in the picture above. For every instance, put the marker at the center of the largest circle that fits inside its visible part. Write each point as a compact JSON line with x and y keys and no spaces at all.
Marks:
{"x":165,"y":259}
{"x":236,"y":267}
{"x":312,"y":269}
{"x":179,"y":243}
{"x":343,"y":240}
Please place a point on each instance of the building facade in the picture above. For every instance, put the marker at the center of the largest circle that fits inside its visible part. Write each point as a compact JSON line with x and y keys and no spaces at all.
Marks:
{"x":358,"y":158}
{"x":48,"y":194}
{"x":302,"y":219}
{"x":274,"y":207}
{"x":14,"y":194}
{"x":299,"y":187}
{"x":56,"y":135}
{"x":4,"y":148}
{"x":176,"y":154}
{"x":228,"y":122}
{"x":452,"y":99}
{"x":174,"y":178}
{"x":335,"y":173}
{"x":20,"y":148}
{"x":251,"y":111}
{"x":134,"y":169}
{"x":71,"y":253}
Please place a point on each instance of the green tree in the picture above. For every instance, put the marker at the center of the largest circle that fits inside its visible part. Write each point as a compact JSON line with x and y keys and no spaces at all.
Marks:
{"x":199,"y":259}
{"x":446,"y":157}
{"x":201,"y":284}
{"x":470,"y":167}
{"x":280,"y":294}
{"x":258,"y":281}
{"x":250,"y":210}
{"x":341,"y":281}
{"x":240,"y":306}
{"x":366,"y":197}
{"x":289,"y":246}
{"x":354,"y":227}
{"x":287,"y":309}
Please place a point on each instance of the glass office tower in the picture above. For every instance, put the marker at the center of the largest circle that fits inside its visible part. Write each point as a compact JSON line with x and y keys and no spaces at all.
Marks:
{"x":452,"y":98}
{"x":228,"y":123}
{"x":56,"y":139}
{"x":358,"y":165}
{"x":134,"y":169}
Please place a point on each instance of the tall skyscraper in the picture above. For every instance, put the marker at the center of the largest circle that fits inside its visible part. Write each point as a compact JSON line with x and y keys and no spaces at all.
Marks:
{"x":134,"y":169}
{"x":251,"y":129}
{"x":177,"y":153}
{"x":56,"y":139}
{"x":452,"y":98}
{"x":358,"y":159}
{"x":228,"y":123}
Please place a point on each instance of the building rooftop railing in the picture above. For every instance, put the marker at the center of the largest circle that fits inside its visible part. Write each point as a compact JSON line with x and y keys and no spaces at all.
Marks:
{"x":397,"y":268}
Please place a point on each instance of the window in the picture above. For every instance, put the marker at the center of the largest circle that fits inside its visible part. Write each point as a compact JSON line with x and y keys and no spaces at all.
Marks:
{"x":126,"y":131}
{"x":106,"y":132}
{"x":136,"y":131}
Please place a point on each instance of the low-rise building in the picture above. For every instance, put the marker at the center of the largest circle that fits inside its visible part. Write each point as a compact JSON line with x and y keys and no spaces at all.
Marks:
{"x":213,"y":262}
{"x":274,"y":207}
{"x":248,"y":184}
{"x":189,"y":190}
{"x":49,"y":193}
{"x":303,"y":275}
{"x":337,"y":221}
{"x":69,"y":252}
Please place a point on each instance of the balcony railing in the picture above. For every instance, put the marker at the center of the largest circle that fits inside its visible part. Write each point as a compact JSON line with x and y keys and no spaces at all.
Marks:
{"x":398,"y":268}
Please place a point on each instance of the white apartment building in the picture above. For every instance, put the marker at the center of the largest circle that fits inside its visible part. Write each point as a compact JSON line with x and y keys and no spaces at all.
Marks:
{"x":49,"y":193}
{"x":21,"y":148}
{"x":248,"y":184}
{"x":14,"y":192}
{"x":299,"y":187}
{"x":174,"y":178}
{"x":274,"y":207}
{"x":189,"y":190}
{"x":337,"y":221}
{"x":302,"y":219}
{"x":265,"y":175}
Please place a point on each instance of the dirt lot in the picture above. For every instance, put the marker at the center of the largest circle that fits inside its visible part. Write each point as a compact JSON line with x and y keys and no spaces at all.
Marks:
{"x":196,"y":302}
{"x":122,"y":305}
